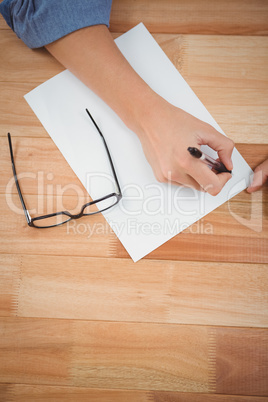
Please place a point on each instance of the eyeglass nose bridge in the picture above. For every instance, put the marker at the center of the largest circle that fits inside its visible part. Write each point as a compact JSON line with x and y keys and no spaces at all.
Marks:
{"x":75,"y":216}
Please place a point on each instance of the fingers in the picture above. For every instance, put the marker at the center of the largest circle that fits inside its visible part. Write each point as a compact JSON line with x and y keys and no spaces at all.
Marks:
{"x":212,"y":183}
{"x":203,"y":176}
{"x":256,"y":183}
{"x":199,"y":177}
{"x":168,"y":153}
{"x":259,"y":178}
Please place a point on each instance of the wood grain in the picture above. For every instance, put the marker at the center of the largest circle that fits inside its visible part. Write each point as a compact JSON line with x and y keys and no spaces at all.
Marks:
{"x":180,"y":293}
{"x":34,"y":65}
{"x":203,"y":247}
{"x":230,"y":350}
{"x":237,"y":17}
{"x":35,"y":351}
{"x":138,"y":356}
{"x":195,"y":16}
{"x":80,"y":321}
{"x":9,"y":284}
{"x":39,"y":393}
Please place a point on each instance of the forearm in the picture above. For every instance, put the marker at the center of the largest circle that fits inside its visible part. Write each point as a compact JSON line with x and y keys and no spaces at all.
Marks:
{"x":164,"y":130}
{"x":92,"y":56}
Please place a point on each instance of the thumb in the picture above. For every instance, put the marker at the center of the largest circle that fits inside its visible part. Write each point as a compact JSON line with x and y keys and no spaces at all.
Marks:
{"x":259,"y":178}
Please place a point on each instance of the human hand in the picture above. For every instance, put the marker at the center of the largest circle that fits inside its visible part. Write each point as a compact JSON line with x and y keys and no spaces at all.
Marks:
{"x":164,"y":130}
{"x":260,"y":177}
{"x":168,"y":132}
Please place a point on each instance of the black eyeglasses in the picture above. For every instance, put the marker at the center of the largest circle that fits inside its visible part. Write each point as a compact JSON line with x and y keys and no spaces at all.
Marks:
{"x":90,"y":208}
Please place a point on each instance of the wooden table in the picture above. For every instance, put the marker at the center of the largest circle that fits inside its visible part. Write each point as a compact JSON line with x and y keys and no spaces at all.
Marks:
{"x":80,"y":320}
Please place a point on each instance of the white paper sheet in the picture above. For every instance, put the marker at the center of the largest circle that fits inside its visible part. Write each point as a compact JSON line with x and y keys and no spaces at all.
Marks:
{"x":150,"y":213}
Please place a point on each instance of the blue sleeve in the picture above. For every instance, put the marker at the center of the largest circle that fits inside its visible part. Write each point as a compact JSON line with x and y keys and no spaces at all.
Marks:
{"x":39,"y":22}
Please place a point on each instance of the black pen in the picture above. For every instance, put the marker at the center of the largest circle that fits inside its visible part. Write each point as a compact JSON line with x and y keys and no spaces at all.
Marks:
{"x":216,"y":165}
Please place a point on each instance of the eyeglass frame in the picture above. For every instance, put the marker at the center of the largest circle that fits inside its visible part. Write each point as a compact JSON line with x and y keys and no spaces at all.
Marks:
{"x":30,"y":220}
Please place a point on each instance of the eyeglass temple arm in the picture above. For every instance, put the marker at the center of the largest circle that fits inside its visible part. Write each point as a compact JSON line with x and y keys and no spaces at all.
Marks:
{"x":27,"y":215}
{"x":108,"y":152}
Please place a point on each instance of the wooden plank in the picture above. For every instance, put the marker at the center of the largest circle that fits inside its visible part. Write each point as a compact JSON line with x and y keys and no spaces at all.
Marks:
{"x":118,"y":290}
{"x":5,"y":392}
{"x":203,"y":60}
{"x":9,"y":284}
{"x":218,"y":61}
{"x":156,"y":357}
{"x":134,"y":356}
{"x":144,"y":357}
{"x":203,"y":247}
{"x":35,"y":351}
{"x":230,"y":349}
{"x":238,"y":17}
{"x":16,"y":115}
{"x":196,"y":16}
{"x":162,"y":355}
{"x":190,"y":397}
{"x":248,"y":153}
{"x":104,"y":355}
{"x":241,"y":113}
{"x":23,"y":64}
{"x":39,"y":393}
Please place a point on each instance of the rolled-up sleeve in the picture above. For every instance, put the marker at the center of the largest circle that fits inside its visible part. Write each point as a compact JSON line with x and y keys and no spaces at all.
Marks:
{"x":40,"y":22}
